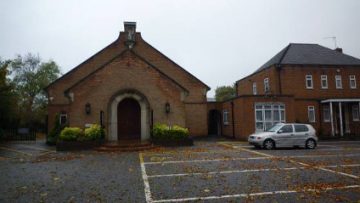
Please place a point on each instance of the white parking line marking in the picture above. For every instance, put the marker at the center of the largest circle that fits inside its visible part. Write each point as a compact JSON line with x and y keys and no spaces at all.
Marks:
{"x":204,"y":160}
{"x":253,"y":194}
{"x":247,"y":158}
{"x":247,"y":171}
{"x":304,"y":164}
{"x":145,"y":179}
{"x":223,"y":172}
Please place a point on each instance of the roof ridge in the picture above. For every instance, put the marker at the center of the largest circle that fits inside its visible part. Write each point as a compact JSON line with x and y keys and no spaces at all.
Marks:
{"x":285,"y":52}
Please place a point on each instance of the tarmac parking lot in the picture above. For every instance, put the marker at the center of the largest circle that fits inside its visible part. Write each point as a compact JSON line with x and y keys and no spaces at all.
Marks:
{"x":237,"y":172}
{"x":210,"y":171}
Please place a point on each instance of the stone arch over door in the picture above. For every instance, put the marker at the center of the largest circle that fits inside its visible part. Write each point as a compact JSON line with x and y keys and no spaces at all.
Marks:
{"x":113,"y":113}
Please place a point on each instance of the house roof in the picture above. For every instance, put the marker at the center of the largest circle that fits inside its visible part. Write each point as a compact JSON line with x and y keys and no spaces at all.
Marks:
{"x":310,"y":54}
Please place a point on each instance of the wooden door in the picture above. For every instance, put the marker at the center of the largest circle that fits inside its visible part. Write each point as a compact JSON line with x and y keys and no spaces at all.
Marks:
{"x":129,"y":119}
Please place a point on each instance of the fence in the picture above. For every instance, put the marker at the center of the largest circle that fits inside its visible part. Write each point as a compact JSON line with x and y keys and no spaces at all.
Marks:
{"x":18,"y":134}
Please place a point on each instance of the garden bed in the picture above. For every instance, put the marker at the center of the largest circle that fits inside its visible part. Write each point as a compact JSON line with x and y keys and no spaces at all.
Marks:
{"x":78,"y":145}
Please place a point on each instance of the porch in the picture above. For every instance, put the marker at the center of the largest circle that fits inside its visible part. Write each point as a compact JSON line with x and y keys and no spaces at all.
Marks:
{"x":342,"y":115}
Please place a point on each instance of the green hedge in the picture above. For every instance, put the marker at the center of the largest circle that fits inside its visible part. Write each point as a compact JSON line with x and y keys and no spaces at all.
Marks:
{"x":164,"y":132}
{"x":71,"y":134}
{"x":95,"y":132}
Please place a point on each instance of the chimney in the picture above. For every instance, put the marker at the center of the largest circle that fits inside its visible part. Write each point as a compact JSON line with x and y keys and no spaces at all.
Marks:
{"x":339,"y":50}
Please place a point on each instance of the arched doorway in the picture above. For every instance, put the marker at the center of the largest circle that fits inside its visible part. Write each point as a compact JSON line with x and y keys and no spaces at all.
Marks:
{"x":129,"y":119}
{"x":127,"y":105}
{"x":214,"y":123}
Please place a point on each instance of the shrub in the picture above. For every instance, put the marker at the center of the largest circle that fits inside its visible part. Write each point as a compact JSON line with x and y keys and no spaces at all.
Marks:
{"x":71,"y":134}
{"x":53,"y":135}
{"x":164,"y":132}
{"x":95,"y":132}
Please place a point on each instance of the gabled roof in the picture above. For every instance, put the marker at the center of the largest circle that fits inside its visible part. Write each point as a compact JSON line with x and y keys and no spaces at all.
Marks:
{"x":310,"y":54}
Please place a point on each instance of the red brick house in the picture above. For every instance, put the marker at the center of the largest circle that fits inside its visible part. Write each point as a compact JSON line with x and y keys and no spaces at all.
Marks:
{"x":305,"y":83}
{"x":127,"y":87}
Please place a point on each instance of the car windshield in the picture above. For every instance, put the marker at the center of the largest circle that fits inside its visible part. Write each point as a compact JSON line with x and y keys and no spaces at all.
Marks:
{"x":274,"y":128}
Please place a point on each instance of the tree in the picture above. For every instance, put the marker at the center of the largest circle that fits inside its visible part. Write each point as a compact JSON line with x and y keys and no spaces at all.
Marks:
{"x":223,"y":93}
{"x":7,"y":97}
{"x":30,"y":76}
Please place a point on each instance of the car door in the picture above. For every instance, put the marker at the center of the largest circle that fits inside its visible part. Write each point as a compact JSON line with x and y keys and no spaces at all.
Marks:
{"x":301,"y":134}
{"x":284,"y":136}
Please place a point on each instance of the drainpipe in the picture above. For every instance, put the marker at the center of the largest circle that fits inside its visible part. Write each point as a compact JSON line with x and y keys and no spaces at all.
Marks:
{"x":278,"y":68}
{"x":233,"y":118}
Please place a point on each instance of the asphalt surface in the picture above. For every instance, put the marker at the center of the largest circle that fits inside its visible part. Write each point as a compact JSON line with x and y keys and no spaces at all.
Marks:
{"x":210,"y":171}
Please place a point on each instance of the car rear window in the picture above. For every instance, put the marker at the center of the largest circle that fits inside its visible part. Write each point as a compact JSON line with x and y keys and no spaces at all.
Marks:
{"x":301,"y":128}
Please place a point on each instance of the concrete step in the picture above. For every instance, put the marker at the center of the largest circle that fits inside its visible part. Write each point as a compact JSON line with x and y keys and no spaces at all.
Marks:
{"x":125,"y":146}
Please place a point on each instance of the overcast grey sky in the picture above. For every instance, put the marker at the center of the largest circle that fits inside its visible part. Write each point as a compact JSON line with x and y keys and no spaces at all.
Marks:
{"x":217,"y":41}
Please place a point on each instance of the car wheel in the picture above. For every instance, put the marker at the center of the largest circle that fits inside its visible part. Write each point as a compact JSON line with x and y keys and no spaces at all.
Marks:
{"x":269,"y":144}
{"x":310,"y":144}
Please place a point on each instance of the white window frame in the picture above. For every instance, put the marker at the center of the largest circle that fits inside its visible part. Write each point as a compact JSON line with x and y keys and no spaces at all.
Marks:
{"x":309,"y":78}
{"x":266,"y":85}
{"x":260,"y":107}
{"x":254,"y":88}
{"x":355,"y":108}
{"x":225,"y":117}
{"x":324,"y":78}
{"x":326,"y":114}
{"x":311,"y":109}
{"x":352,"y":78}
{"x":338,"y":82}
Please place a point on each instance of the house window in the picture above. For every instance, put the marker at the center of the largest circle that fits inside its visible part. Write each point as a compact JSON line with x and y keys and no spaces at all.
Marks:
{"x":338,"y":82}
{"x":225,"y":117}
{"x":254,"y":88}
{"x":326,"y":114}
{"x":309,"y":82}
{"x":266,"y":85}
{"x":355,"y":113}
{"x":352,"y":81}
{"x":268,"y":114}
{"x":324,"y":82}
{"x":63,"y":118}
{"x":311,"y":114}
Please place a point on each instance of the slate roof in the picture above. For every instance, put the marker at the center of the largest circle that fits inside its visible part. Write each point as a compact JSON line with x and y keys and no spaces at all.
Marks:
{"x":310,"y":54}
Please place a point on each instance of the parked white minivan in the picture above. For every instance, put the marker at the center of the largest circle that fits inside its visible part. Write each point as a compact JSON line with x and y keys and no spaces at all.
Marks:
{"x":285,"y":135}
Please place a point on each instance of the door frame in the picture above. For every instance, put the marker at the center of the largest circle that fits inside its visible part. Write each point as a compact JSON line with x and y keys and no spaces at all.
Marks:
{"x":144,"y":109}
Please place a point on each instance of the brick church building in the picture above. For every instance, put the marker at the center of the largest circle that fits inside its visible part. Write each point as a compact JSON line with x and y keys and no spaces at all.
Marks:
{"x":127,"y":87}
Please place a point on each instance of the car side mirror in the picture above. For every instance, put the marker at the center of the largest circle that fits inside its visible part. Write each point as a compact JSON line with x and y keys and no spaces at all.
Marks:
{"x":280,"y":131}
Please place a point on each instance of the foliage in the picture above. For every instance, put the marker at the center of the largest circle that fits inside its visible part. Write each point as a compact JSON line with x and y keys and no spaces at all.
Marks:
{"x":95,"y":132}
{"x":223,"y":93}
{"x":55,"y":132}
{"x":8,"y":106}
{"x":30,"y":76}
{"x":164,"y":132}
{"x":71,"y":134}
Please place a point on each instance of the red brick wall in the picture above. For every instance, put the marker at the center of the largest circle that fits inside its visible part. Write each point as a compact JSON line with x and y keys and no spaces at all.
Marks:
{"x":244,"y":114}
{"x":245,"y":86}
{"x":293,"y":82}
